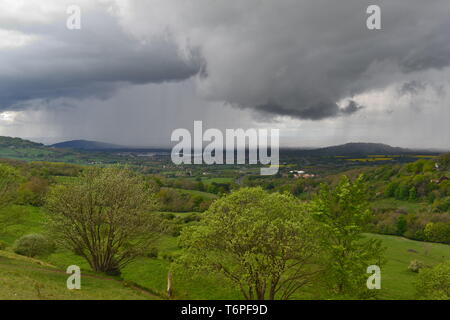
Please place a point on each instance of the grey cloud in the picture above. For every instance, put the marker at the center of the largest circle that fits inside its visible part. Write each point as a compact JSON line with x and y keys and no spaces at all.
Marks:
{"x":433,"y":52}
{"x":306,"y":55}
{"x":351,"y":108}
{"x":284,"y":57}
{"x":412,"y":87}
{"x":317,"y":111}
{"x":314,"y":112}
{"x":92,"y":62}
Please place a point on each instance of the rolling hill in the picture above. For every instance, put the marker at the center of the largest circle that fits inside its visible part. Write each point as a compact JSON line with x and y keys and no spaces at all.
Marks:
{"x":354,"y":148}
{"x":10,"y":142}
{"x":86,"y":145}
{"x":85,"y":151}
{"x":21,"y":149}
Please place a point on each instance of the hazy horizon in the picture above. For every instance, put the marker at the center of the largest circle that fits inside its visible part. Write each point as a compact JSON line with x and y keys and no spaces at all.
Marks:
{"x":52,"y":141}
{"x":135,"y":71}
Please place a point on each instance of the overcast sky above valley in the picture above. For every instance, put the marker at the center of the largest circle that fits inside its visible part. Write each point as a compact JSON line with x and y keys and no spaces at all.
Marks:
{"x":139,"y":69}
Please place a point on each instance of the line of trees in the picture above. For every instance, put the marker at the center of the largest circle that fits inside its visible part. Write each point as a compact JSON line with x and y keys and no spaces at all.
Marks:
{"x":9,"y":182}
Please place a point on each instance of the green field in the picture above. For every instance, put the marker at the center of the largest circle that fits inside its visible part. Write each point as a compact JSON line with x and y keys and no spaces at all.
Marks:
{"x":397,"y":282}
{"x":24,"y":278}
{"x":394,"y":204}
{"x":206,"y":195}
{"x":210,"y":180}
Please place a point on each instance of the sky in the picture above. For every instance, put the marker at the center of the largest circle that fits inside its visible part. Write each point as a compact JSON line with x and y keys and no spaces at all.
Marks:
{"x":137,"y":70}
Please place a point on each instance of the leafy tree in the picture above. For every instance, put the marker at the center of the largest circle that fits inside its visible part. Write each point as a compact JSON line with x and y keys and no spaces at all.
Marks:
{"x":391,"y":189}
{"x":434,"y":283}
{"x":444,"y":161}
{"x":442,"y":205}
{"x":402,"y":225}
{"x":265,"y":244}
{"x":32,"y":245}
{"x":33,"y":191}
{"x":402,"y":192}
{"x":343,"y":211}
{"x":298,"y":188}
{"x":9,"y":182}
{"x":103,"y":217}
{"x":413,"y":194}
{"x":437,"y":232}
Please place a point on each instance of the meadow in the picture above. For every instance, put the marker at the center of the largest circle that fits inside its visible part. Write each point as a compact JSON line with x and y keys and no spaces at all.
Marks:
{"x":146,"y":278}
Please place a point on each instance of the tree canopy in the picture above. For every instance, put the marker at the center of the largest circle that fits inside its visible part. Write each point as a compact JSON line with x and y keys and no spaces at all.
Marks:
{"x":265,"y":244}
{"x":104,"y":217}
{"x":434,"y":283}
{"x":344,"y":213}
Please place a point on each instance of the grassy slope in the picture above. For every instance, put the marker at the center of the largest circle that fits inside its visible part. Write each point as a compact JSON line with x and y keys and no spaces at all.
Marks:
{"x":25,"y":278}
{"x":397,"y":281}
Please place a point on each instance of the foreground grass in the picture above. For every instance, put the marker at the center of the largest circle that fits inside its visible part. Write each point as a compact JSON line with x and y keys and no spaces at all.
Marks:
{"x":152,"y":273}
{"x":397,"y":282}
{"x":30,"y":279}
{"x":19,"y":278}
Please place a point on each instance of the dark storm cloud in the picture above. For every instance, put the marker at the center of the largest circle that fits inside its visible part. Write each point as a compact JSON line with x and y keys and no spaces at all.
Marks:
{"x":351,"y":108}
{"x":433,"y":52}
{"x":317,"y":111}
{"x":314,"y":112}
{"x":304,"y":57}
{"x":92,"y":62}
{"x":308,"y":55}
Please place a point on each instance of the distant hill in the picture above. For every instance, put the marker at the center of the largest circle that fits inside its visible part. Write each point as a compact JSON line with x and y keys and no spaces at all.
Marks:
{"x":85,"y":145}
{"x":354,"y":148}
{"x":8,"y":142}
{"x":21,"y":149}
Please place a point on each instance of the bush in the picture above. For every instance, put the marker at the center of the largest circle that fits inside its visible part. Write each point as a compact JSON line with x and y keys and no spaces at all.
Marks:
{"x":437,"y":232}
{"x":442,"y":205}
{"x":191,"y":218}
{"x":175,"y":230}
{"x":33,"y":191}
{"x":3,"y":245}
{"x":33,"y":245}
{"x":416,"y":265}
{"x":168,"y":216}
{"x":152,"y":252}
{"x":171,"y":257}
{"x":434,"y":283}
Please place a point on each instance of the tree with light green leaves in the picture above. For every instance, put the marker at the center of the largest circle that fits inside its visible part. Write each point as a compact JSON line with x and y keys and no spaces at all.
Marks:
{"x":434,"y":283}
{"x":343,"y":211}
{"x":9,"y":182}
{"x":104,"y":216}
{"x":266,"y":245}
{"x":10,"y":179}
